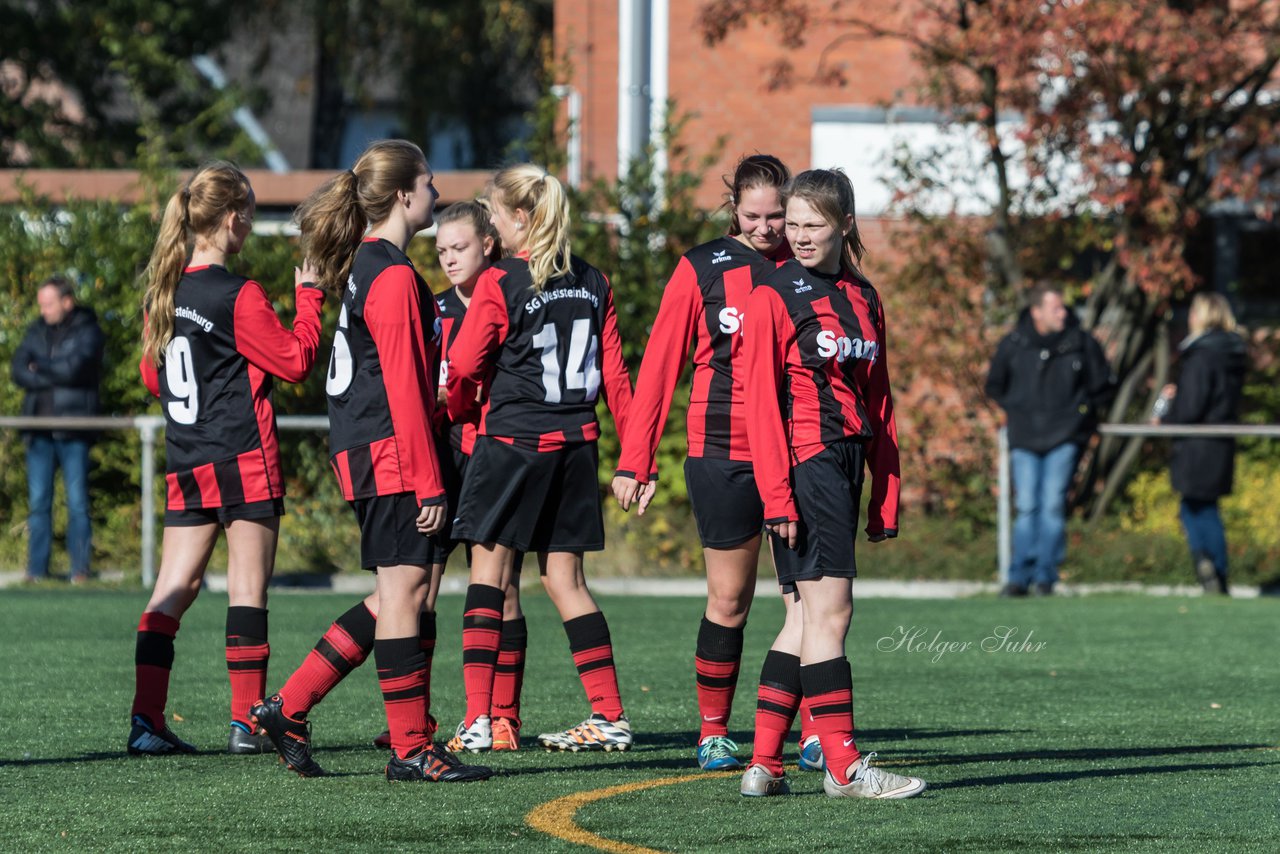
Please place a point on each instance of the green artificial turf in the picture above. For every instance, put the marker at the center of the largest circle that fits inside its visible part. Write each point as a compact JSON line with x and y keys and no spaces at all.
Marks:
{"x":1140,"y":724}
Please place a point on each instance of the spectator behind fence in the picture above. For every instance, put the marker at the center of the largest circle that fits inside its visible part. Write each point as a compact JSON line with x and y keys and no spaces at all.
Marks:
{"x":1051,"y":378}
{"x":1210,"y":380}
{"x":59,"y":363}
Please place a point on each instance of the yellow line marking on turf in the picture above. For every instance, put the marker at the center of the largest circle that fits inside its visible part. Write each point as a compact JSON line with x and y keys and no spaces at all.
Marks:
{"x":556,"y":818}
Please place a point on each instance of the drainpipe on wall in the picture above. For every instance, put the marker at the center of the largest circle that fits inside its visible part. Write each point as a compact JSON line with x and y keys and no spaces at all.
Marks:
{"x":212,"y":72}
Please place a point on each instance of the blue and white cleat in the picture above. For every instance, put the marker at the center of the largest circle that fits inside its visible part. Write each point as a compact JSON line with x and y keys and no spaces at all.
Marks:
{"x":811,"y":758}
{"x":715,"y":753}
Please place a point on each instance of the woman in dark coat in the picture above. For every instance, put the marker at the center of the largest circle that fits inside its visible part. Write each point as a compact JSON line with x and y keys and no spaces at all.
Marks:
{"x":1212,"y":367}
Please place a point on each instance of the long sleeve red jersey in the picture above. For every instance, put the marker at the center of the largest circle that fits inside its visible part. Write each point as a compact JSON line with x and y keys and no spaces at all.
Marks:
{"x":817,"y":373}
{"x":214,"y":382}
{"x":702,"y":309}
{"x":545,"y":356}
{"x":382,"y":380}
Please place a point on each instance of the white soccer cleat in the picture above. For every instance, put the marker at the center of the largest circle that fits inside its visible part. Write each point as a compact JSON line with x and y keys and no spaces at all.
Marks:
{"x":759,"y":783}
{"x":868,"y":781}
{"x":595,"y":733}
{"x":474,"y":738}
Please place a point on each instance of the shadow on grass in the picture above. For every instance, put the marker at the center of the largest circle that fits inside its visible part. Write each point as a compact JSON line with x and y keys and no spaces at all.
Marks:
{"x":1098,"y":773}
{"x":687,"y":739}
{"x":1089,"y":753}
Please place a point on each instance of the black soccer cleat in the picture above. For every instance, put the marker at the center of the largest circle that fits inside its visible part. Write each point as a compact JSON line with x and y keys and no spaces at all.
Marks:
{"x":435,"y":765}
{"x":241,"y":741}
{"x":291,"y":738}
{"x":146,"y":740}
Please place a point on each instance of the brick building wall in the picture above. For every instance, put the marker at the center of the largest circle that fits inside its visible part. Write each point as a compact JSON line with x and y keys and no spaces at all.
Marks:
{"x":725,"y":88}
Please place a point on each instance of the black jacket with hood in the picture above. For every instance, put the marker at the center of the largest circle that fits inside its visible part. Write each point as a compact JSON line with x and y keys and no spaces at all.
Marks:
{"x":1053,"y":387}
{"x":1210,"y":381}
{"x":60,"y":367}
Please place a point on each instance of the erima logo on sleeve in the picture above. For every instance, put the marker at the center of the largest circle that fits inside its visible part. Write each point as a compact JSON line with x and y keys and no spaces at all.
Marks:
{"x":722,"y":255}
{"x":802,"y":285}
{"x":844,"y":347}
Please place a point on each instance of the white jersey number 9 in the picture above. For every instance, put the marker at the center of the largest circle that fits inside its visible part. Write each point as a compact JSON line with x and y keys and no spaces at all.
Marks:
{"x":180,"y":376}
{"x":341,"y":368}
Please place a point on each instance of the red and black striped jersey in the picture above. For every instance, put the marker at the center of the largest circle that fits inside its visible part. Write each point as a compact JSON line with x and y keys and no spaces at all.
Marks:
{"x":382,"y":380}
{"x":214,"y":383}
{"x":545,"y":356}
{"x":816,"y":373}
{"x":702,"y":309}
{"x":462,"y":434}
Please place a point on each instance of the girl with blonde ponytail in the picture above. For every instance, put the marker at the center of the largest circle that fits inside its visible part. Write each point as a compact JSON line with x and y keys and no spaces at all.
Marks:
{"x":538,"y":345}
{"x":211,"y":345}
{"x":382,"y":387}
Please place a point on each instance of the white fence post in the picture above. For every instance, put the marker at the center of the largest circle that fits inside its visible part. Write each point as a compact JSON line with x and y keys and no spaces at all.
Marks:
{"x":147,"y":432}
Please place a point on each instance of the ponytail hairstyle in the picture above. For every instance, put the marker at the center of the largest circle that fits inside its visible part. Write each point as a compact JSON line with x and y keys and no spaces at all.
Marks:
{"x":475,"y":214}
{"x":752,"y":171}
{"x":530,"y":188}
{"x":334,"y":218}
{"x":830,"y":193}
{"x":198,"y":209}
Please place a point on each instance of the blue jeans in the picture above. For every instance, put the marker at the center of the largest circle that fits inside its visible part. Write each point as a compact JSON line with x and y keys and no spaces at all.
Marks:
{"x":1205,"y":534}
{"x":1040,"y":484}
{"x":44,"y":456}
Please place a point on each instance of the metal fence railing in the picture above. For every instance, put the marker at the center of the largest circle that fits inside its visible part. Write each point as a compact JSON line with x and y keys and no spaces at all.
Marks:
{"x":1004,"y":506}
{"x":149,"y":427}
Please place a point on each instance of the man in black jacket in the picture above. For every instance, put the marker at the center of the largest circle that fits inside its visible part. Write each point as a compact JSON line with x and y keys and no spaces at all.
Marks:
{"x":59,"y":363}
{"x":1052,"y":379}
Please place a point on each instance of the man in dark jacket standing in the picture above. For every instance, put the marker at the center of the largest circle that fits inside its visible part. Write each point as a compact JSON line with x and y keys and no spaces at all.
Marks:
{"x":1052,"y":379}
{"x":59,"y":363}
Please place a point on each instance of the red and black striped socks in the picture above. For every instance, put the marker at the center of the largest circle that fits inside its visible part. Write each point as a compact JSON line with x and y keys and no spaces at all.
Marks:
{"x":593,"y":655}
{"x":508,"y":675}
{"x":427,"y":644}
{"x":716,"y":661}
{"x":828,"y":686}
{"x":153,"y":660}
{"x":341,"y":649}
{"x":777,"y":700}
{"x":247,"y":655}
{"x":404,"y":693}
{"x":481,"y":638}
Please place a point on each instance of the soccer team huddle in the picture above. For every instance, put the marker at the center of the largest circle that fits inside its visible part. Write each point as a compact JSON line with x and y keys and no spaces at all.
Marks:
{"x":470,"y":419}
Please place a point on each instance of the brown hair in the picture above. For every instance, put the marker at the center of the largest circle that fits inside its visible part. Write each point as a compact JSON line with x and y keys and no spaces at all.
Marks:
{"x":334,"y":218}
{"x":830,"y":193}
{"x":476,"y":214}
{"x":198,"y":209}
{"x":1040,"y":290}
{"x":530,"y":188}
{"x":753,"y":170}
{"x":66,"y":288}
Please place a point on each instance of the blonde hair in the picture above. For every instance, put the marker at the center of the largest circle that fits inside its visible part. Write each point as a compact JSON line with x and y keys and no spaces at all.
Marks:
{"x":198,"y":209}
{"x":830,"y":193}
{"x":334,"y":218}
{"x":1211,"y":311}
{"x":475,"y":214}
{"x":530,"y":188}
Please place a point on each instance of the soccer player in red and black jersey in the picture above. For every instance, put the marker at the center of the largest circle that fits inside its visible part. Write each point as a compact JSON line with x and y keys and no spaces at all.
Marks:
{"x":467,"y":243}
{"x":819,"y":411}
{"x":702,"y":310}
{"x":382,"y":391}
{"x":211,"y":345}
{"x":541,"y":331}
